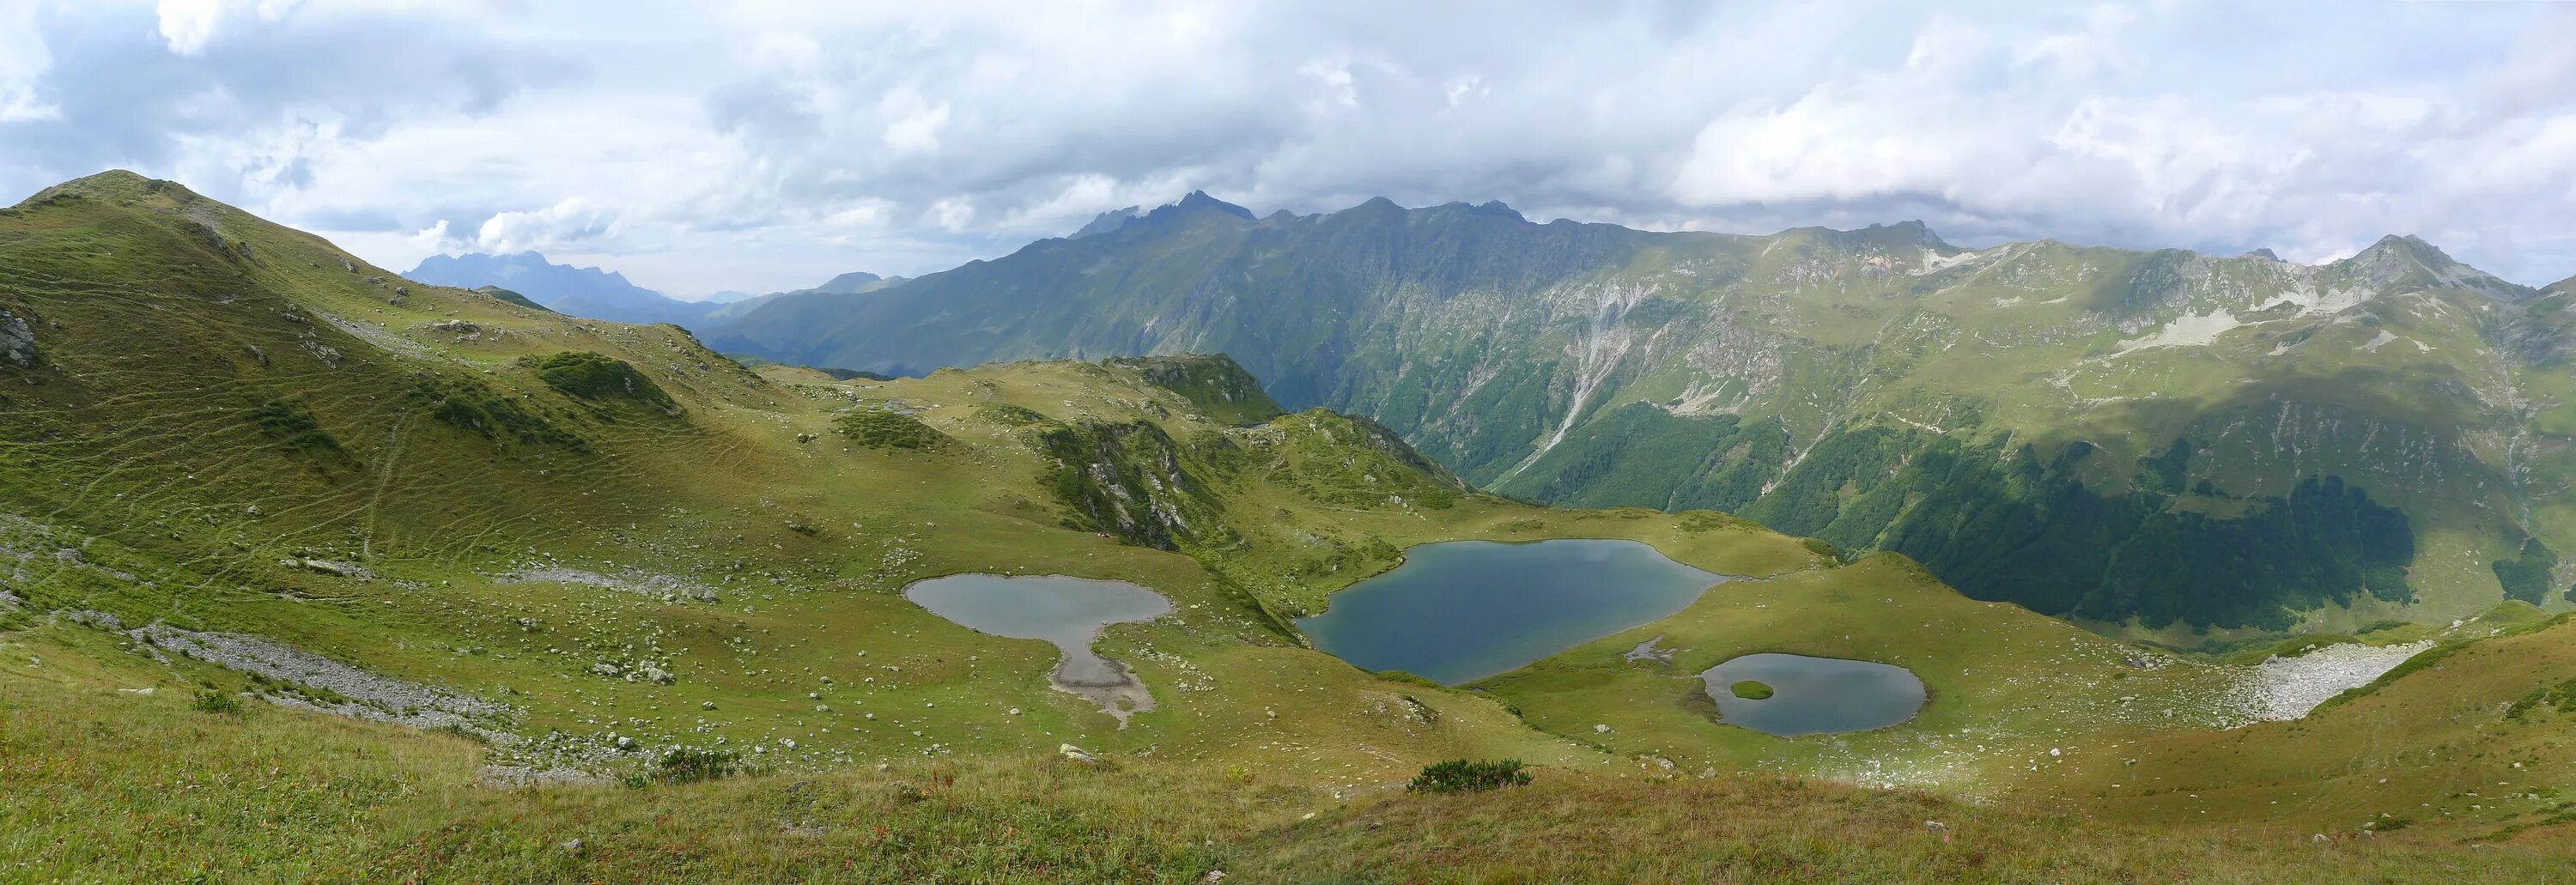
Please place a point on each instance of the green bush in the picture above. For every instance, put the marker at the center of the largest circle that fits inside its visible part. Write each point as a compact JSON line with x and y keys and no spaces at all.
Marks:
{"x":290,"y":422}
{"x":211,"y":700}
{"x":887,"y":429}
{"x":594,"y":376}
{"x":1465,"y":776}
{"x":1016,"y":416}
{"x":683,"y":765}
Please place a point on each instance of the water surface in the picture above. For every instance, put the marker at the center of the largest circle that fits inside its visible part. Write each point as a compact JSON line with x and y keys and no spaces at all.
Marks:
{"x":1069,"y":612}
{"x":1463,"y":610}
{"x":1814,"y":695}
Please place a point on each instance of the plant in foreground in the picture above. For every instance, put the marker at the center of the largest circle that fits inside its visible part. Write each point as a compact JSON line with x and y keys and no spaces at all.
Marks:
{"x":1464,"y":776}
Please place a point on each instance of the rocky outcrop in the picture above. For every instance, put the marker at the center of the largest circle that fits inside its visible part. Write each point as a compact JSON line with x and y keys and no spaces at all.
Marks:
{"x":17,"y":341}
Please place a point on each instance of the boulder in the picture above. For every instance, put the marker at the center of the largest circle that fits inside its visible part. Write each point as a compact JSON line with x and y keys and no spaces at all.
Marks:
{"x":17,"y":341}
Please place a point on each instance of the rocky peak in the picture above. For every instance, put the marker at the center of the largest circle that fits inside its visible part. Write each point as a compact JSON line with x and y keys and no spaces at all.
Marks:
{"x":2397,"y":262}
{"x":1107,"y":221}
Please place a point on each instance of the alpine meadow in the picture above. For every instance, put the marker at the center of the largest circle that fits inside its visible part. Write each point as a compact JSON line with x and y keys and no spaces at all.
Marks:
{"x":1576,"y":468}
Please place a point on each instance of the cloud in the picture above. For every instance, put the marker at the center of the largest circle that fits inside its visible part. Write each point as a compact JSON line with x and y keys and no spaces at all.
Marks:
{"x":188,"y":25}
{"x":570,"y":222}
{"x":767,"y":146}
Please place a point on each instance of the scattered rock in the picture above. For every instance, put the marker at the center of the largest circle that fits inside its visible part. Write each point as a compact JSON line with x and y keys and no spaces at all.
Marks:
{"x":330,"y":567}
{"x":1076,"y":754}
{"x":1647,"y":652}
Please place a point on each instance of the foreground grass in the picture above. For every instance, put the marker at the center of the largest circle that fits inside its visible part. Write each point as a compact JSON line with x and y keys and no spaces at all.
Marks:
{"x":105,"y":785}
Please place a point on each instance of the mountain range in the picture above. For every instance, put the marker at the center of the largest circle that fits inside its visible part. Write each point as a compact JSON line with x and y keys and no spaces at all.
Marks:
{"x":2152,"y":440}
{"x":601,"y":294}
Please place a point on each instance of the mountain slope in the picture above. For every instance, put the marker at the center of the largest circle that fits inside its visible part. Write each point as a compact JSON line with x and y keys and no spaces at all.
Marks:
{"x":851,"y":283}
{"x":2038,"y":422}
{"x":583,"y":291}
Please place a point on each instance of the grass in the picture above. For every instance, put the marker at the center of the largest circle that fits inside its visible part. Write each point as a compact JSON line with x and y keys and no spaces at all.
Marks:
{"x":134,"y":787}
{"x":1751,"y":690}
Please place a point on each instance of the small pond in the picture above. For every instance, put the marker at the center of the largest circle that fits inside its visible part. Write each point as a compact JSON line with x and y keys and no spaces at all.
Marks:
{"x":1069,"y":612}
{"x":1794,"y":694}
{"x":1463,"y":610}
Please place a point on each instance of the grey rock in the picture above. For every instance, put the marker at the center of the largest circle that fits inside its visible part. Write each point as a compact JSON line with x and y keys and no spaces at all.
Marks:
{"x":17,"y":341}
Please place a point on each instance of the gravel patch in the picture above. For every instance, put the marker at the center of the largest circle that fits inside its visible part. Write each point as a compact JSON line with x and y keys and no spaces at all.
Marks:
{"x":2281,"y":689}
{"x":368,"y":696}
{"x":638,"y":583}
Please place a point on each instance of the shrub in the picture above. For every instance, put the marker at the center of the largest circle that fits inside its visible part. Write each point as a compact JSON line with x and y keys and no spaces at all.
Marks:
{"x":1466,"y":776}
{"x":1016,"y":416}
{"x":886,"y":428}
{"x":596,"y":377}
{"x":689,"y":764}
{"x":290,"y":422}
{"x":210,"y":700}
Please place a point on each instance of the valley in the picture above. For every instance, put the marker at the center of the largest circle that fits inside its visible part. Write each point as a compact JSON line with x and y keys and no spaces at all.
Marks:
{"x":309,"y":571}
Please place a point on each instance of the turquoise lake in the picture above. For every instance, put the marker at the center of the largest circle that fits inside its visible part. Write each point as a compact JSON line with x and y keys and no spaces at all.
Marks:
{"x":1459,"y":611}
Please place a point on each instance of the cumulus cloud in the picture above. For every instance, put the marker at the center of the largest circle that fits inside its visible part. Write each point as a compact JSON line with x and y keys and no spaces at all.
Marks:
{"x":771,"y":145}
{"x":188,"y":25}
{"x":570,"y":222}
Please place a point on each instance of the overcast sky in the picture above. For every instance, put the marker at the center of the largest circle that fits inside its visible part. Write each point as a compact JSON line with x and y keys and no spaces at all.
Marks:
{"x":769,"y":145}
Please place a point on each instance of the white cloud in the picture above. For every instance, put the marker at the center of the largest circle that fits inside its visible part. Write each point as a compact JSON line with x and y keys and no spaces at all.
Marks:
{"x":573,"y":220}
{"x":918,"y":131}
{"x":23,"y":61}
{"x":187,"y":26}
{"x":770,"y":145}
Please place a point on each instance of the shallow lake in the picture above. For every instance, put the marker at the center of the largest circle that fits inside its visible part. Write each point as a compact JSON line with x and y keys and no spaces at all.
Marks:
{"x":1814,"y":695}
{"x":1463,"y":610}
{"x":1069,"y":612}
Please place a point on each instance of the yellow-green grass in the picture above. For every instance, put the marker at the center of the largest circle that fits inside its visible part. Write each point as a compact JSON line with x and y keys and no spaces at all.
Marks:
{"x":112,"y":786}
{"x":2434,"y":747}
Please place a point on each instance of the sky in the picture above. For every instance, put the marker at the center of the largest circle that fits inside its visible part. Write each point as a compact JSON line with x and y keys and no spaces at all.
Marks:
{"x":762,"y":146}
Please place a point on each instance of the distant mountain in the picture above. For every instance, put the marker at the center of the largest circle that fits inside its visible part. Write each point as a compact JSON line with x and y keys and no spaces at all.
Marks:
{"x":579,"y":291}
{"x":2151,"y":438}
{"x":851,"y":283}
